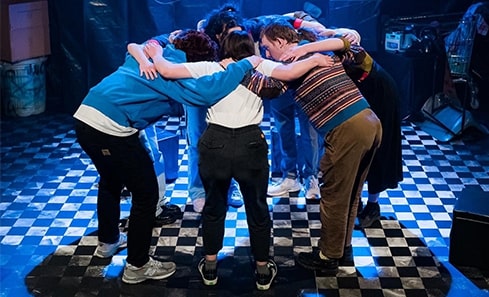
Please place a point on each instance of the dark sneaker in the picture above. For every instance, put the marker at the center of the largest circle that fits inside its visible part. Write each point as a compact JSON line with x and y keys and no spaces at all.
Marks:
{"x":347,"y":259}
{"x":263,"y":281}
{"x":169,"y":215}
{"x":172,"y":208}
{"x":164,"y":219}
{"x":209,"y":277}
{"x":314,"y":262}
{"x":369,"y":215}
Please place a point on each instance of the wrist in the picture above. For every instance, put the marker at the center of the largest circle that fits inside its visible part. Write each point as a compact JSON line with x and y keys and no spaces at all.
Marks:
{"x":248,"y":61}
{"x":317,"y":60}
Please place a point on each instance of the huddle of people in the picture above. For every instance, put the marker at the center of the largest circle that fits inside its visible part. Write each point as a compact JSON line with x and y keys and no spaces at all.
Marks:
{"x":217,"y":75}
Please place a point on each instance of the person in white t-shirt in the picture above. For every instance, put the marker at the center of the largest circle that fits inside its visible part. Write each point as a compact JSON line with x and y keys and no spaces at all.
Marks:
{"x":233,"y":146}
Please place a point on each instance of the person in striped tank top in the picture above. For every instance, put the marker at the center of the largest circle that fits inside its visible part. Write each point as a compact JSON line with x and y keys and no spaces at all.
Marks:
{"x":233,"y":146}
{"x":381,"y":92}
{"x":351,"y":132}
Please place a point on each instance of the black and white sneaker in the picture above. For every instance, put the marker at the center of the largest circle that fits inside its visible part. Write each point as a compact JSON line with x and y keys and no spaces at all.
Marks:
{"x":313,"y":261}
{"x":209,"y":276}
{"x":170,"y":213}
{"x":263,"y":281}
{"x":369,"y":215}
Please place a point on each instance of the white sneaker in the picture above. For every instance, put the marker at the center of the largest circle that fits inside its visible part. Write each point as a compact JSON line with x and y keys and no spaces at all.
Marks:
{"x":275,"y":180}
{"x":198,"y":204}
{"x":153,"y":269}
{"x":106,"y":250}
{"x":284,"y":187}
{"x":311,"y":188}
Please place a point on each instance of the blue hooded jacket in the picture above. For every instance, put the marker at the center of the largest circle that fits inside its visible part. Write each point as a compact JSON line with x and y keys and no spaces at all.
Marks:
{"x":131,"y":100}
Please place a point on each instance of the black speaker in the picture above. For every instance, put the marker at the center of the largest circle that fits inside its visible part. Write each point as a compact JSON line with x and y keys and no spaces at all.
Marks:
{"x":469,"y":240}
{"x":363,"y":16}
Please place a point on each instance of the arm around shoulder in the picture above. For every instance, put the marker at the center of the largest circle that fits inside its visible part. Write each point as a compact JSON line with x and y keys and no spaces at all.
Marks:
{"x":294,"y":70}
{"x":164,"y":67}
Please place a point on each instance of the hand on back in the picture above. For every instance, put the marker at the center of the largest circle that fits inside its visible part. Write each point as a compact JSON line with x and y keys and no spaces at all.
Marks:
{"x":324,"y":60}
{"x":148,"y":69}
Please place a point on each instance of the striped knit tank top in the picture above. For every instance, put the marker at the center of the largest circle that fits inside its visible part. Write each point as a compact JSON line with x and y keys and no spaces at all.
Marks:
{"x":325,"y":92}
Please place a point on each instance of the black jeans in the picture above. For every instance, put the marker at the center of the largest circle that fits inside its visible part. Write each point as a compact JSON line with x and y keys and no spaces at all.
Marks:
{"x":241,"y":154}
{"x":122,"y":161}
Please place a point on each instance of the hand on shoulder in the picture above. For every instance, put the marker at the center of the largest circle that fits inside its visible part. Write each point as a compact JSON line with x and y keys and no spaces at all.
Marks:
{"x":153,"y":49}
{"x":255,"y":60}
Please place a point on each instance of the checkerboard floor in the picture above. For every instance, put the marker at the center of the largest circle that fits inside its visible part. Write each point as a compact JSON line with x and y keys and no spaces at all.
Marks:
{"x":48,"y":230}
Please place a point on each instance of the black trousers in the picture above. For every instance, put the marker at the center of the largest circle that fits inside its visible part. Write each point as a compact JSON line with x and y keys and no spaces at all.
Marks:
{"x":241,"y":154}
{"x":122,"y":161}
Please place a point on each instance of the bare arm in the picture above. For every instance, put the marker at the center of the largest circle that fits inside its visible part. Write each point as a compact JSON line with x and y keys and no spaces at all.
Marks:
{"x":171,"y":70}
{"x":164,"y":67}
{"x":315,"y":26}
{"x":349,"y":34}
{"x":136,"y":50}
{"x":330,"y":44}
{"x":294,"y":70}
{"x":146,"y":68}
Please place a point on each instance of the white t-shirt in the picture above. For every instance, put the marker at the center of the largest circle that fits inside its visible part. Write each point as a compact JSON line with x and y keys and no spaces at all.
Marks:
{"x":101,"y":122}
{"x":239,"y":108}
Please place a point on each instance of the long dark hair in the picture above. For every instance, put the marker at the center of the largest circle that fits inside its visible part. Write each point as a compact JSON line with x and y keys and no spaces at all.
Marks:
{"x":237,"y":45}
{"x":218,"y":22}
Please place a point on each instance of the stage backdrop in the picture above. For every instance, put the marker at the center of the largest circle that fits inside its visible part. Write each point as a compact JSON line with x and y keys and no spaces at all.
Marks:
{"x":89,"y":38}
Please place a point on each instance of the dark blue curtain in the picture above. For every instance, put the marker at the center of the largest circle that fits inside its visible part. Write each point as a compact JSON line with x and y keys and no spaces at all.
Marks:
{"x":89,"y":38}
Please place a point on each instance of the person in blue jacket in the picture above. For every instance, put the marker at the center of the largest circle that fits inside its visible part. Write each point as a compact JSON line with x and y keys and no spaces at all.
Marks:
{"x":107,"y":126}
{"x":166,"y":213}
